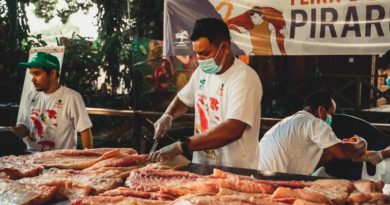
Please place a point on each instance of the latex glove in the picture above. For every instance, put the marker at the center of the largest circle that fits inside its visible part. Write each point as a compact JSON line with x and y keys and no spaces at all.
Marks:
{"x":162,"y":126}
{"x":357,"y":140}
{"x":374,"y":157}
{"x":167,"y":152}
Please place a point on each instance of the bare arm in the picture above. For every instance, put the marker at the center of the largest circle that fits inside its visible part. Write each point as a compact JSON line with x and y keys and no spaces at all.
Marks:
{"x":176,"y":108}
{"x":347,"y":150}
{"x":86,"y":139}
{"x":325,"y":158}
{"x":224,"y":133}
{"x":386,"y":153}
{"x":20,"y":130}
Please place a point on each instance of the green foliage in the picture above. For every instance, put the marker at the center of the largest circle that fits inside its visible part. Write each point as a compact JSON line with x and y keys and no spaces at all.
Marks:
{"x":72,"y":7}
{"x":45,"y":9}
{"x":120,"y":23}
{"x":81,"y":65}
{"x":32,"y":41}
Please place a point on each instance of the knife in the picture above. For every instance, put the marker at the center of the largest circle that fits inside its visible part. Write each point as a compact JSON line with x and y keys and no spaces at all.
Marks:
{"x":154,"y":146}
{"x":151,"y":124}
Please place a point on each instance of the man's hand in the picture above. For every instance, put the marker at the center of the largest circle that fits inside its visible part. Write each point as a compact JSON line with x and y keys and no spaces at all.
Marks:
{"x":167,"y":152}
{"x":357,"y":140}
{"x":162,"y":126}
{"x":374,"y":157}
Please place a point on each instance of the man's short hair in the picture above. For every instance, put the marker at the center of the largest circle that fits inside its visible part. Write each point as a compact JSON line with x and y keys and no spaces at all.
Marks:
{"x":319,"y":98}
{"x":215,"y":30}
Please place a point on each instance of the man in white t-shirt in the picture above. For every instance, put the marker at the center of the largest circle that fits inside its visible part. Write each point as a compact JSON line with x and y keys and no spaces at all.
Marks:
{"x":298,"y":143}
{"x":53,"y":114}
{"x":226,"y":95}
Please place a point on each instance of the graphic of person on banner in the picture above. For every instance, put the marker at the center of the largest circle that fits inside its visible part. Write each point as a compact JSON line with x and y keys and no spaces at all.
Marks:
{"x":162,"y":67}
{"x":263,"y":24}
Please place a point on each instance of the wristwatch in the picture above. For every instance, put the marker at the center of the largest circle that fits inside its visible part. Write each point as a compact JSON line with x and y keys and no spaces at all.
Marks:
{"x":184,"y":145}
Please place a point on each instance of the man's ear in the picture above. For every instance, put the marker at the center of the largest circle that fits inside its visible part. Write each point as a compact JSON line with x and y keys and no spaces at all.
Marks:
{"x":225,"y":47}
{"x":54,"y":73}
{"x":319,"y":110}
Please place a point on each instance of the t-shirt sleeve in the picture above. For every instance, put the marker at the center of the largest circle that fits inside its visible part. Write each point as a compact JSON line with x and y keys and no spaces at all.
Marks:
{"x":187,"y":94}
{"x":322,"y":134}
{"x":244,"y":99}
{"x":23,"y":118}
{"x":79,"y":113}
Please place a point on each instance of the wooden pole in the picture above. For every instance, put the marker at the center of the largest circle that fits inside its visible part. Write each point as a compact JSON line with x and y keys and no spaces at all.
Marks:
{"x":374,"y":81}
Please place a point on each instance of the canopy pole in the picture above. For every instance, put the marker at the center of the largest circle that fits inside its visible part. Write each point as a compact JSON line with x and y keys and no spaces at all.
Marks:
{"x":374,"y":81}
{"x":165,"y":29}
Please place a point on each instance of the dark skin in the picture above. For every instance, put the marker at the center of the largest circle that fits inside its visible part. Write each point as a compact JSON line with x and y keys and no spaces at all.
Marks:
{"x":47,"y":82}
{"x":227,"y":131}
{"x":343,"y":150}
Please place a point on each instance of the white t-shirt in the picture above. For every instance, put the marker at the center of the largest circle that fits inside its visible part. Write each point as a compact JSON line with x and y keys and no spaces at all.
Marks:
{"x":295,"y":144}
{"x":234,"y":94}
{"x":54,"y":119}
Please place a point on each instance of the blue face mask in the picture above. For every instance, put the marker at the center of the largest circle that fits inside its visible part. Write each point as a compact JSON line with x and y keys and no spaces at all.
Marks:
{"x":388,"y":81}
{"x":209,"y":66}
{"x":328,"y":119}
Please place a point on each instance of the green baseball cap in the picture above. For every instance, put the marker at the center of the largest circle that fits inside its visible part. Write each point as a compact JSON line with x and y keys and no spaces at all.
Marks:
{"x":42,"y":59}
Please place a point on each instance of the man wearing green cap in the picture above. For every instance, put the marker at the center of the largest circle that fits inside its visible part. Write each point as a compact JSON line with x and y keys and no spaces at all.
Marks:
{"x":53,"y":114}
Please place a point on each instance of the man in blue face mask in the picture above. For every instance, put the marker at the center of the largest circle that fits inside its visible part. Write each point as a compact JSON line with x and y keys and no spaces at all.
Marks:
{"x":226,"y":96}
{"x":298,"y":143}
{"x":384,"y":64}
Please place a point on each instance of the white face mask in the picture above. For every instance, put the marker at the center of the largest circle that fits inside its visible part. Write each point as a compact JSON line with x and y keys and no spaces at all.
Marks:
{"x":210,"y":66}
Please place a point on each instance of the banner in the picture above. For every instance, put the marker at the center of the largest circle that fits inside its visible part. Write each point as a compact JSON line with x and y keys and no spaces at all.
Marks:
{"x":58,"y":51}
{"x":285,"y":27}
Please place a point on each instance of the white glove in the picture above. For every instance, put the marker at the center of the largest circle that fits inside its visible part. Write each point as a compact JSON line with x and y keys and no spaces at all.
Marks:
{"x":374,"y":157}
{"x":162,"y":126}
{"x":358,"y":140}
{"x":166,"y":153}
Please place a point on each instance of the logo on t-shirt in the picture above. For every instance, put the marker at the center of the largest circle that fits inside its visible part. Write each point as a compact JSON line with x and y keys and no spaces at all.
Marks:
{"x":220,"y":89}
{"x":201,"y":84}
{"x":59,"y":104}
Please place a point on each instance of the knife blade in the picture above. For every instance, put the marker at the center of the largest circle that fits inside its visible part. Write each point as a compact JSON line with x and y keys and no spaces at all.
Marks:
{"x":154,"y":146}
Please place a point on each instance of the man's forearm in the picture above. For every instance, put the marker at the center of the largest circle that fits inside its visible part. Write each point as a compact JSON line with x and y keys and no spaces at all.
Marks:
{"x":176,"y":108}
{"x":86,"y":139}
{"x":386,"y":153}
{"x":219,"y":136}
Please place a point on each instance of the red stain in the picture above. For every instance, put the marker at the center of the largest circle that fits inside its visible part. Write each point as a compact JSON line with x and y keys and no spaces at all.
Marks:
{"x":201,"y":101}
{"x":214,"y":104}
{"x":204,"y":123}
{"x":38,"y":126}
{"x":46,"y":143}
{"x":52,"y":114}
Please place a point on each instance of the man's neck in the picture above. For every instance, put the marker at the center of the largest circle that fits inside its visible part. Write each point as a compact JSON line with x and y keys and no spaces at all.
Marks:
{"x":307,"y":109}
{"x":53,"y":88}
{"x":228,"y":63}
